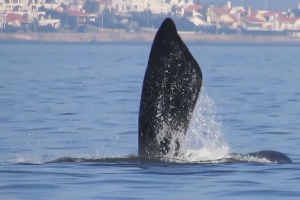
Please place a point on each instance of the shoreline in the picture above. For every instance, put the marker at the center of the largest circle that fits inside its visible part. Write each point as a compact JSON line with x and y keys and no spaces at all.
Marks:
{"x":129,"y":38}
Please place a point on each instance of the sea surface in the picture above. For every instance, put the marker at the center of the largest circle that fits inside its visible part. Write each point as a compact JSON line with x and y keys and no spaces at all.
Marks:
{"x":69,"y":113}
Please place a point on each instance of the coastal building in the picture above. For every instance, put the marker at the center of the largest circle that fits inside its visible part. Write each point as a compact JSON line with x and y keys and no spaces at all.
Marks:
{"x":103,"y":5}
{"x":252,"y":23}
{"x":270,"y":16}
{"x":194,"y":9}
{"x":28,"y":5}
{"x":155,"y":6}
{"x":13,"y":20}
{"x":278,"y":21}
{"x":55,"y":23}
{"x":128,"y":14}
{"x":194,"y":14}
{"x":51,"y":4}
{"x":24,"y":2}
{"x":282,"y":23}
{"x":237,"y":9}
{"x":255,"y":14}
{"x":253,"y":20}
{"x":2,"y":20}
{"x":96,"y":6}
{"x":2,"y":6}
{"x":221,"y":17}
{"x":270,"y":20}
{"x":68,"y":19}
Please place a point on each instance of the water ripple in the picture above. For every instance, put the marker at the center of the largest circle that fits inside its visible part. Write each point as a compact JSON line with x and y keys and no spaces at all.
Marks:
{"x":63,"y":107}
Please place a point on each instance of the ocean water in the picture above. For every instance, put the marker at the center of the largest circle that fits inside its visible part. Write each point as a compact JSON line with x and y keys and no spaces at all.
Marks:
{"x":69,"y":113}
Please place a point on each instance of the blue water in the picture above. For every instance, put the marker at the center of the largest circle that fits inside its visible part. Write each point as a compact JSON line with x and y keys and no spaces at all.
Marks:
{"x":81,"y":101}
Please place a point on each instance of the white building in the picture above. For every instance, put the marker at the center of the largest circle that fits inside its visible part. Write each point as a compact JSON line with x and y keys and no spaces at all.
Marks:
{"x":2,"y":5}
{"x":156,"y":6}
{"x":53,"y":22}
{"x":29,"y":8}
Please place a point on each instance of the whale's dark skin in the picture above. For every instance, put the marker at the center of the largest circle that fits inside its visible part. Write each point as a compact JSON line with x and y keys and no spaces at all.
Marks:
{"x":273,"y":156}
{"x":171,"y":87}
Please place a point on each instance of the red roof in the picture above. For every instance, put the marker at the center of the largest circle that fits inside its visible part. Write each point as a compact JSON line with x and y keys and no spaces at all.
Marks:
{"x":74,"y":12}
{"x":287,"y":19}
{"x":268,"y":14}
{"x":221,"y":10}
{"x":10,"y":17}
{"x":252,"y":19}
{"x":191,"y":8}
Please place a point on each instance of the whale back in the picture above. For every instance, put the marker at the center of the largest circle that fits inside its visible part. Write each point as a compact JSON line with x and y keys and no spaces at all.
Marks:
{"x":171,"y":86}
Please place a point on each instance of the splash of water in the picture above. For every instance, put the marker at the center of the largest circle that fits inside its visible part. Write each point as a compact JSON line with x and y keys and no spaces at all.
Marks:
{"x":204,"y":142}
{"x":204,"y":139}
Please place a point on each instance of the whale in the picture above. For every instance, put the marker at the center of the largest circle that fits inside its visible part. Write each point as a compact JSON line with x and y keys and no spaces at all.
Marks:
{"x":171,"y":86}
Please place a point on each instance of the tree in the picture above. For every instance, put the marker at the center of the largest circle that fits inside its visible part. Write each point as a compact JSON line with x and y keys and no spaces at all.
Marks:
{"x":91,"y":6}
{"x":64,"y":6}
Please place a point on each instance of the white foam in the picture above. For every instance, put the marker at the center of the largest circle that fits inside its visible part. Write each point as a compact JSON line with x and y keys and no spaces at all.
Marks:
{"x":204,"y":140}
